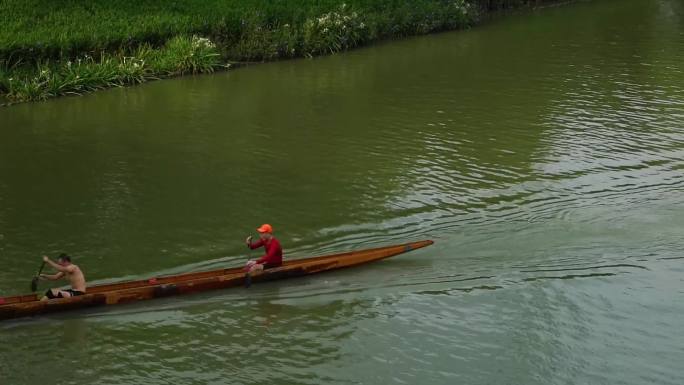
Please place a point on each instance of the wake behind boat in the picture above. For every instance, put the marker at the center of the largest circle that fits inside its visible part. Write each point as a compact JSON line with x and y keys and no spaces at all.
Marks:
{"x":158,"y":287}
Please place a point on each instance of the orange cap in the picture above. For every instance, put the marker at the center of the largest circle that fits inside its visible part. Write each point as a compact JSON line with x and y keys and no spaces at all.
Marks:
{"x":265,"y":228}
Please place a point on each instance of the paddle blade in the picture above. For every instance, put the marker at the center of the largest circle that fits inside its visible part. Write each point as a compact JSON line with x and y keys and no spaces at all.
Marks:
{"x":34,"y":282}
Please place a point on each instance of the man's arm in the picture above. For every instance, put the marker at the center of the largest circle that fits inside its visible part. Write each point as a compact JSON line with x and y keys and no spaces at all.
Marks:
{"x":270,"y":255}
{"x":52,"y":277}
{"x":255,"y":245}
{"x":60,"y":268}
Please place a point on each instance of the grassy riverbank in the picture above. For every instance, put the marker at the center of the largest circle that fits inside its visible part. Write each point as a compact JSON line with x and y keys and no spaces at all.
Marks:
{"x":49,"y":49}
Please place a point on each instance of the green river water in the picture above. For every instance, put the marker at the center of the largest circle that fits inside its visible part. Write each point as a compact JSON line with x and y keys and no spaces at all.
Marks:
{"x":543,"y":152}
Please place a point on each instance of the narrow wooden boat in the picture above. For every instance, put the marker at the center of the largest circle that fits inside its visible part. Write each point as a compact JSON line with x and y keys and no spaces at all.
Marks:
{"x":157,"y":287}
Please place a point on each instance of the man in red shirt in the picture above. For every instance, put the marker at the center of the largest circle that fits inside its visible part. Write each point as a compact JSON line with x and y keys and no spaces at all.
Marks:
{"x":274,"y":253}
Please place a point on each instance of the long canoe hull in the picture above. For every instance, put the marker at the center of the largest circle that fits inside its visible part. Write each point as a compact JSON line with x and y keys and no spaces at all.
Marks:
{"x":133,"y":291}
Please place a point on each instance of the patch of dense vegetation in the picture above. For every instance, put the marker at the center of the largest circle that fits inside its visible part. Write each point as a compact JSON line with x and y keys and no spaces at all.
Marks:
{"x":53,"y":48}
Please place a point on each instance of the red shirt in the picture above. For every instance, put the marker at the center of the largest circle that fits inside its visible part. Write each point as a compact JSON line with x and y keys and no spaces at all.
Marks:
{"x":274,"y":253}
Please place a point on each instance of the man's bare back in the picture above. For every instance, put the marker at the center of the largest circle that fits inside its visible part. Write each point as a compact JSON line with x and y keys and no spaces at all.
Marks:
{"x":75,"y":277}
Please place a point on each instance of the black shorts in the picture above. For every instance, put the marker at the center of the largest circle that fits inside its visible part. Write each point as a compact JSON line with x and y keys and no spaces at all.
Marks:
{"x":74,"y":293}
{"x":271,"y":265}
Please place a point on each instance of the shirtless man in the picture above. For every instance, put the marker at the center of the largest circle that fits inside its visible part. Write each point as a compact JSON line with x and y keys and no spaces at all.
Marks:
{"x":72,"y":272}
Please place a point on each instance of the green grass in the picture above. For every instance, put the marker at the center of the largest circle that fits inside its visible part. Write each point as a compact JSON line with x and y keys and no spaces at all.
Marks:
{"x":53,"y":48}
{"x":39,"y":28}
{"x":180,"y":55}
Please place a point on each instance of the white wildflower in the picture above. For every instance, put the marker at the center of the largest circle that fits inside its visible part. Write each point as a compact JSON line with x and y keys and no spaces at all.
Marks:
{"x":202,"y":42}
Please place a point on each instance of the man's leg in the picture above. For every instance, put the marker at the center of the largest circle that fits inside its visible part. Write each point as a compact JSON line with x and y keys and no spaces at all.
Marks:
{"x":257,"y":268}
{"x":49,"y":294}
{"x":55,"y":293}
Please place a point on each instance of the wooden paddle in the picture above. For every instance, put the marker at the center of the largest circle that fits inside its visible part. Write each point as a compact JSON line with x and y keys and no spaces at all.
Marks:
{"x":248,"y":276}
{"x":248,"y":280}
{"x":34,"y":281}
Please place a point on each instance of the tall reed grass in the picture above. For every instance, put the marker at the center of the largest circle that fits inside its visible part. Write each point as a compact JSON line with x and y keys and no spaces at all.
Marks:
{"x":47,"y":79}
